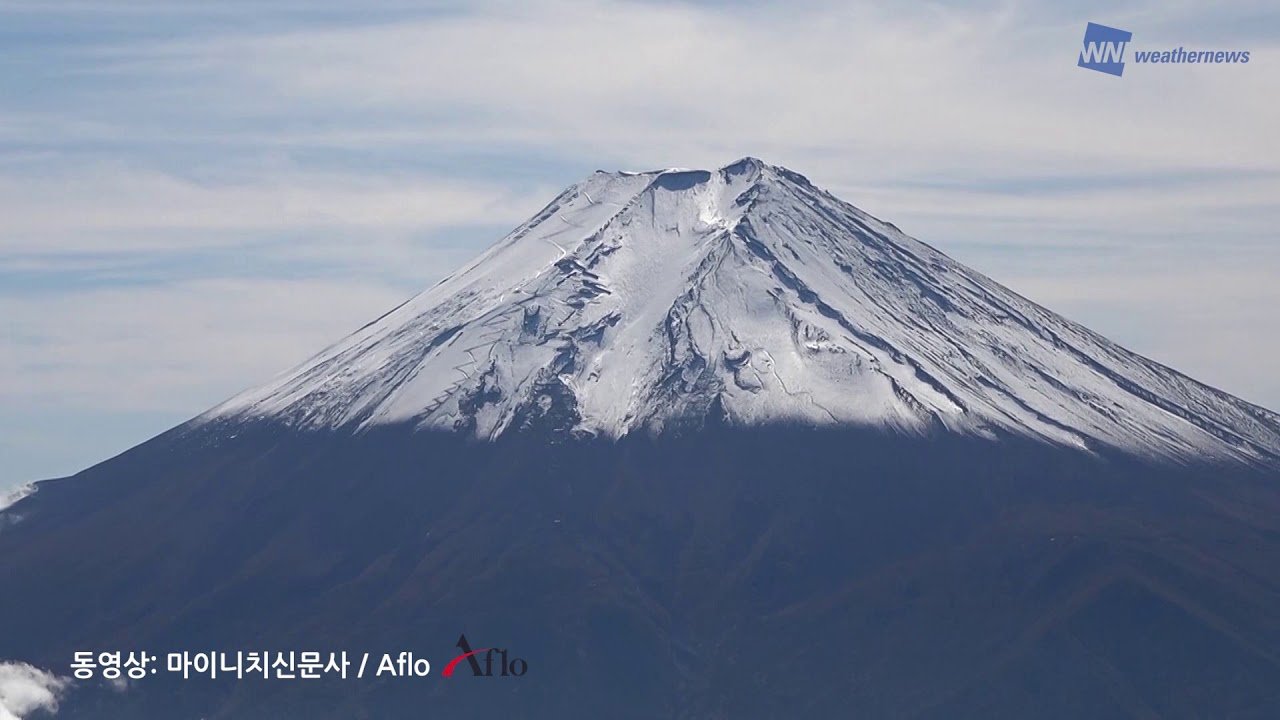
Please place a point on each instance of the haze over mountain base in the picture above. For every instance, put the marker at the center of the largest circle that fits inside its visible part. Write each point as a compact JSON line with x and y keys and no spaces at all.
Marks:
{"x":770,"y":572}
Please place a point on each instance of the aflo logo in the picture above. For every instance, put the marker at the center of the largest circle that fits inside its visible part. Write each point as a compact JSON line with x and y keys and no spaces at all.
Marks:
{"x":504,"y":667}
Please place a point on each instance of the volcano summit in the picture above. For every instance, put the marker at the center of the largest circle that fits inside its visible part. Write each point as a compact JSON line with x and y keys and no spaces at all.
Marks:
{"x":743,"y":295}
{"x":700,"y":444}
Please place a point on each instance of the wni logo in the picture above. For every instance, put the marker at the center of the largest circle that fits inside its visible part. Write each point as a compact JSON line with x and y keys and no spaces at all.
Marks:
{"x":1104,"y":49}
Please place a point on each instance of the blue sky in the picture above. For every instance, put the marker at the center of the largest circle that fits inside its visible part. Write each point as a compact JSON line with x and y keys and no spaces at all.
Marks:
{"x":196,"y":196}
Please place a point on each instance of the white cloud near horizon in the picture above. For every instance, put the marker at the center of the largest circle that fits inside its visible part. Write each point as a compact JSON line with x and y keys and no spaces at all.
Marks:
{"x":10,"y":496}
{"x":25,"y":689}
{"x":197,"y":196}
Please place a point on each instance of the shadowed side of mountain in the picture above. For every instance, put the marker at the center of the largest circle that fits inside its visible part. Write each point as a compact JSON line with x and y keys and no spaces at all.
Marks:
{"x":731,"y":572}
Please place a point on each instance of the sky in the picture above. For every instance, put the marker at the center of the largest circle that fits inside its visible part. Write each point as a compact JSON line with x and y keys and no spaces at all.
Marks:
{"x":195,"y":196}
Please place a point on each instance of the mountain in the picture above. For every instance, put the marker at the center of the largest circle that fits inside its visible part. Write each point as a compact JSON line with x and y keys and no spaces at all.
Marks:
{"x":642,"y":301}
{"x":691,"y":444}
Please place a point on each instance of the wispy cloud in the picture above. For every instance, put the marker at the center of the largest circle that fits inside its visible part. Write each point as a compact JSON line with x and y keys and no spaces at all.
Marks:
{"x":172,"y":347}
{"x":119,"y":209}
{"x":981,"y":88}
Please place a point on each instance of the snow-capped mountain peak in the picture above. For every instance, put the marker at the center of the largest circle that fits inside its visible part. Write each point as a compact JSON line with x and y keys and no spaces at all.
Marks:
{"x":744,"y":295}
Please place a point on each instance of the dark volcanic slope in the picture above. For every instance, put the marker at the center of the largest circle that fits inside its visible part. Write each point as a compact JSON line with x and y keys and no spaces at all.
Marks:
{"x":730,"y":573}
{"x":694,"y":444}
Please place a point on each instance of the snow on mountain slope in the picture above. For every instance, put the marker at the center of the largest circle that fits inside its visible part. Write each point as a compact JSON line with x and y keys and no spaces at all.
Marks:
{"x":745,"y":295}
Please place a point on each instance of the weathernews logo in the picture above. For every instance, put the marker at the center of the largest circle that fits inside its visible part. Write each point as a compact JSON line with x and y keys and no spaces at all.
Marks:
{"x":1104,"y":49}
{"x":486,"y":662}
